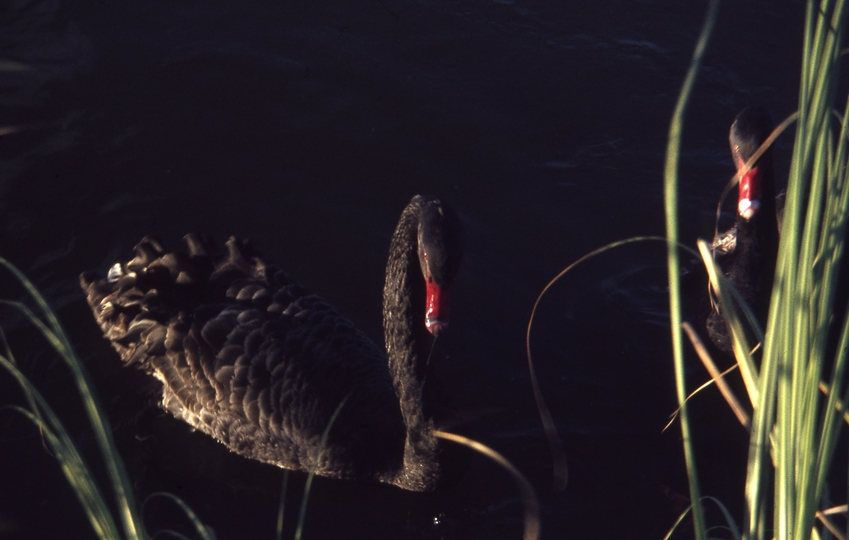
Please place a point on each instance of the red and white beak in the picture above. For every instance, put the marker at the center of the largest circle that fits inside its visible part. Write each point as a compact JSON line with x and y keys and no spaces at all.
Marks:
{"x":749,"y":200}
{"x":438,"y":307}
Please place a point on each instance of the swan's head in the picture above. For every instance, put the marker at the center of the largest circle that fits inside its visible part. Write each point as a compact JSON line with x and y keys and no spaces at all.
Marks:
{"x":748,"y":132}
{"x":440,"y":241}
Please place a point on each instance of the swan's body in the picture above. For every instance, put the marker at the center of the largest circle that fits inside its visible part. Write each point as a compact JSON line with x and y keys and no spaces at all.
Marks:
{"x":747,"y":253}
{"x":253,"y":360}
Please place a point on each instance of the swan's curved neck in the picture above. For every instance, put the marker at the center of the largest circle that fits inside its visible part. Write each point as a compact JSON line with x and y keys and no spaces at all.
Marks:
{"x":408,"y":345}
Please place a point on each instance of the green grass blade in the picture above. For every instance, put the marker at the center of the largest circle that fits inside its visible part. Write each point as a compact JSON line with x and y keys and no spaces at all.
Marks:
{"x":526,"y":491}
{"x":67,"y":455}
{"x":723,"y":290}
{"x":303,"y":514}
{"x":282,"y":507}
{"x":671,"y":210}
{"x":54,"y":333}
{"x":203,"y":531}
{"x":7,"y":352}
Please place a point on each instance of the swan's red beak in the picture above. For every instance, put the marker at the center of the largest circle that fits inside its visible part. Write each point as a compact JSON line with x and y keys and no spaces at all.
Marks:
{"x":750,"y":191}
{"x":436,"y":316}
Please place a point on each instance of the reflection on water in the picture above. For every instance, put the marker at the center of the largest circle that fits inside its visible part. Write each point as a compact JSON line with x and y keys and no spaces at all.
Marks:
{"x":307,"y":127}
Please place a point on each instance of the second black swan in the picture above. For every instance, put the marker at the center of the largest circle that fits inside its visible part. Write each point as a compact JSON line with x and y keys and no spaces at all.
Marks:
{"x":252,"y":359}
{"x":747,"y":254}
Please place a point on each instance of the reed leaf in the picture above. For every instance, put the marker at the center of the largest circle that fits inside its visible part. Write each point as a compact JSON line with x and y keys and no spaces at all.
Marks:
{"x":70,"y":460}
{"x":203,"y":531}
{"x":52,"y":331}
{"x":670,"y":190}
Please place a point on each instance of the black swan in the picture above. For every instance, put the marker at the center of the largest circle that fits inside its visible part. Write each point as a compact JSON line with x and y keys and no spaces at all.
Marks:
{"x":747,"y":253}
{"x":252,"y":359}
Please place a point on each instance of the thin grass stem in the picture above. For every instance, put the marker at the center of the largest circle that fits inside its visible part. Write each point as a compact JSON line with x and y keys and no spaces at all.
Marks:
{"x":671,"y":210}
{"x":526,"y":492}
{"x":282,"y":507}
{"x":704,"y":385}
{"x":559,"y":462}
{"x":202,"y":530}
{"x":303,"y":513}
{"x":67,"y":455}
{"x":717,"y":377}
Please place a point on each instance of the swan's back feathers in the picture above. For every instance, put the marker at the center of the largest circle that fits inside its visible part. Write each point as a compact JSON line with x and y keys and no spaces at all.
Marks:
{"x":251,"y":358}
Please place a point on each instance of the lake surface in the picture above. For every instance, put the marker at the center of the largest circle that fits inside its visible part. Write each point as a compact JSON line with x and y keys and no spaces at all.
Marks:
{"x":307,"y":126}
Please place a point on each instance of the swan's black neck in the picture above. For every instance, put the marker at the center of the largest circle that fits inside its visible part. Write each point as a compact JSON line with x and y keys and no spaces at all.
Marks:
{"x":408,"y":344}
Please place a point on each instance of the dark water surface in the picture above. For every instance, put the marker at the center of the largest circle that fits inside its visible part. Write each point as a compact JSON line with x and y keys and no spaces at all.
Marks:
{"x":307,"y":126}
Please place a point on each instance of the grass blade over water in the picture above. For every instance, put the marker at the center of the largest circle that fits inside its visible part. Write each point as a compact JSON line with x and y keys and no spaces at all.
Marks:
{"x":77,"y":472}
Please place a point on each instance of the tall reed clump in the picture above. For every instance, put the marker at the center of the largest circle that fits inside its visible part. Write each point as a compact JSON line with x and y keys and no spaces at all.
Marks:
{"x":797,"y":387}
{"x":792,"y":423}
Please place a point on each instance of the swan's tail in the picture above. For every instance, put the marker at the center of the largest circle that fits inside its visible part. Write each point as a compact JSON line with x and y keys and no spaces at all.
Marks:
{"x":137,"y":302}
{"x":148,"y":307}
